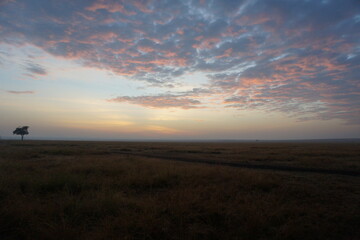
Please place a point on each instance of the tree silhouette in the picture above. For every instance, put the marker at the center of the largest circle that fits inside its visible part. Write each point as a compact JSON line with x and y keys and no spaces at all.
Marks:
{"x":21,"y":131}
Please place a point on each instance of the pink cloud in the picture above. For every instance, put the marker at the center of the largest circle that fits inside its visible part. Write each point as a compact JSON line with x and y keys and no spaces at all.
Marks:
{"x":227,"y":53}
{"x":206,"y":43}
{"x":20,"y":92}
{"x":143,"y":6}
{"x":110,"y":7}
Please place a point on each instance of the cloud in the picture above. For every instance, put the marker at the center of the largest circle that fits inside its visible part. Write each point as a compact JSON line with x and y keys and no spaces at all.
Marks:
{"x":20,"y":92}
{"x":296,"y":57}
{"x":110,"y":6}
{"x":185,"y":99}
{"x":305,"y":87}
{"x":160,"y":101}
{"x":34,"y":69}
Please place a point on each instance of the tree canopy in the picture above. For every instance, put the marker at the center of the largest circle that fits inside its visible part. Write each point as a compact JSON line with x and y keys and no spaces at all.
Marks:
{"x":21,"y":131}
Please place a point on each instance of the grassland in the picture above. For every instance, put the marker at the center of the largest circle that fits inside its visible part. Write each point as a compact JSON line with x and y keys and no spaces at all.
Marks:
{"x":119,"y":190}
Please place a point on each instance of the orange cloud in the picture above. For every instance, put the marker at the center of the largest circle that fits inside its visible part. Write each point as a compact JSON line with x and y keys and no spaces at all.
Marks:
{"x":160,"y":101}
{"x":146,"y":49}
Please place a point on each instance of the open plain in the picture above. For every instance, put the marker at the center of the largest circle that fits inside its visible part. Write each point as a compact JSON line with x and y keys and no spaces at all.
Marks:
{"x":159,"y":190}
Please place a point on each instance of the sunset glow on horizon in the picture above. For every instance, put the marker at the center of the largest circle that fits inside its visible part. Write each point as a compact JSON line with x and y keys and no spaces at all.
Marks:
{"x":192,"y":69}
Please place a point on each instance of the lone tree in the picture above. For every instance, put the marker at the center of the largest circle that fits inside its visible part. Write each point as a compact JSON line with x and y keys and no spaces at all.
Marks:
{"x":21,"y":131}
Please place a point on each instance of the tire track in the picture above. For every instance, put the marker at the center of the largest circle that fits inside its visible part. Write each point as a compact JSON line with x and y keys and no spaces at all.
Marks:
{"x":250,"y":165}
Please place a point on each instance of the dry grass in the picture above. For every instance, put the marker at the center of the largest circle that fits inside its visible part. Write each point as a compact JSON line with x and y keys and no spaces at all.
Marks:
{"x":89,"y":190}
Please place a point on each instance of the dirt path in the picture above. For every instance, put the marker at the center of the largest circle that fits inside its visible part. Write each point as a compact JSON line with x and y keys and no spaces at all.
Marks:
{"x":250,"y":165}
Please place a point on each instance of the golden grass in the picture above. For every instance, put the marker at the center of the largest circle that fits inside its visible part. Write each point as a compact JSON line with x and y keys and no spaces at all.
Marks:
{"x":99,"y":190}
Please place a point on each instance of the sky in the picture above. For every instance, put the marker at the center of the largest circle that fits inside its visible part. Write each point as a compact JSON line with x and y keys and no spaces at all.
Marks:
{"x":191,"y":69}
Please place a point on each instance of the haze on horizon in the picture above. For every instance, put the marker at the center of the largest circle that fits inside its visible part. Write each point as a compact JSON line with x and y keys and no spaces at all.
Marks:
{"x":192,"y":69}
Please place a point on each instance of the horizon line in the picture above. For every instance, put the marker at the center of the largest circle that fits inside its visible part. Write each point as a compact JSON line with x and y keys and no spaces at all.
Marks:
{"x":184,"y":140}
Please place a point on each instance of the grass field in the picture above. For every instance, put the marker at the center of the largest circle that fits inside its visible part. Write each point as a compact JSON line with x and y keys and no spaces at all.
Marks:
{"x":132,"y":190}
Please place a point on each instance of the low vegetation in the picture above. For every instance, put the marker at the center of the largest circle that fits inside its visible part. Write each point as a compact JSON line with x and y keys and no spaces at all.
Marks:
{"x":118,"y":190}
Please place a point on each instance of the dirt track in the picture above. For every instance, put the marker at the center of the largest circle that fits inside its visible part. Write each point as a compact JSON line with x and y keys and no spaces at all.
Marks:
{"x":250,"y":165}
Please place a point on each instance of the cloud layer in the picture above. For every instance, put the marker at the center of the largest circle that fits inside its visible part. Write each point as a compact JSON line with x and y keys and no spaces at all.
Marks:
{"x":301,"y":57}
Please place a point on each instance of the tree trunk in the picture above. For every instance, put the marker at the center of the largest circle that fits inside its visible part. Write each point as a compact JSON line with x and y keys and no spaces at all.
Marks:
{"x":22,"y":137}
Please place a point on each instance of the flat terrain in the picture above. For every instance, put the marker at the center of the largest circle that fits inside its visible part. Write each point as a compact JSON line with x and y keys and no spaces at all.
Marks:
{"x":133,"y":190}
